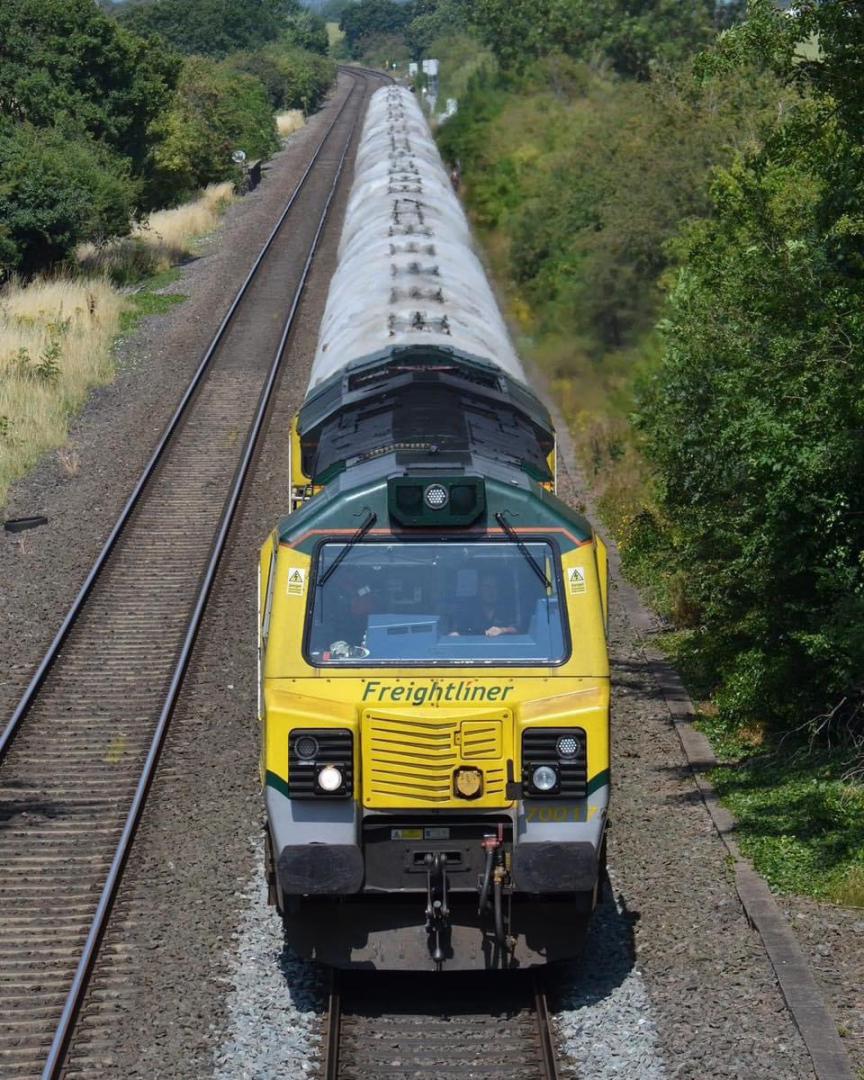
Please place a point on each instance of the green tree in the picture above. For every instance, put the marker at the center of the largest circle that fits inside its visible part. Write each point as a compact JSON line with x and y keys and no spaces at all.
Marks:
{"x":754,"y":420}
{"x":57,"y":189}
{"x":216,"y":110}
{"x":633,"y":34}
{"x":371,"y":19}
{"x":64,"y":61}
{"x":293,"y":78}
{"x":307,"y":31}
{"x":212,"y":27}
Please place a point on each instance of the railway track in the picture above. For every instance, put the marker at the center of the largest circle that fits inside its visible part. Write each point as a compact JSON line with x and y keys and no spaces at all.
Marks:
{"x":401,"y":1027}
{"x":81,"y":748}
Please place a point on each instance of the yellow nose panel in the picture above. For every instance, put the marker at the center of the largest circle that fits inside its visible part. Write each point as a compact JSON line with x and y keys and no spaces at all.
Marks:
{"x":410,"y":758}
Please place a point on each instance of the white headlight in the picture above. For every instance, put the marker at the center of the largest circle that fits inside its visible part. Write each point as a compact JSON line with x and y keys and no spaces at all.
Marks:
{"x":567,"y":746}
{"x":330,"y":778}
{"x":545,"y":778}
{"x":436,"y":496}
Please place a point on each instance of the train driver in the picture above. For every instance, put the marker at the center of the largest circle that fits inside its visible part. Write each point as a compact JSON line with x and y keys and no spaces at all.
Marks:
{"x":489,"y":613}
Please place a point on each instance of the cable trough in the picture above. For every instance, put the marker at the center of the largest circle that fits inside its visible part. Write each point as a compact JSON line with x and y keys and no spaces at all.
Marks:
{"x":80,"y":751}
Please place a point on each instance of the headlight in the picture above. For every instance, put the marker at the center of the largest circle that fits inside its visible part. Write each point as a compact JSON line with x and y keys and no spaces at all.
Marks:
{"x":436,"y":496}
{"x":306,"y":746}
{"x":320,"y":763}
{"x":544,"y":778}
{"x":330,"y":778}
{"x":567,"y":746}
{"x":554,"y":763}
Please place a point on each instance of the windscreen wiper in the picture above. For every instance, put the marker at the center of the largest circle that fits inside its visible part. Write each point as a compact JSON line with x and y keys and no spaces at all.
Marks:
{"x":361,"y":532}
{"x":517,"y":539}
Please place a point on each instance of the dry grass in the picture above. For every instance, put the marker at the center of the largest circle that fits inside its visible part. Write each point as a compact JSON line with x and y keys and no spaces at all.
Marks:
{"x":289,"y":122}
{"x":850,"y":892}
{"x":55,"y":341}
{"x":163,"y":240}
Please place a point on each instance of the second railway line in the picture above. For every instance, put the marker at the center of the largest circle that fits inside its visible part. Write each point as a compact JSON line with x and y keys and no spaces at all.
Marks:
{"x":76,"y":752}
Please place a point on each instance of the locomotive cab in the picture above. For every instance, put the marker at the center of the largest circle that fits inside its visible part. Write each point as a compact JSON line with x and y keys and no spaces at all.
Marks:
{"x":435,"y":708}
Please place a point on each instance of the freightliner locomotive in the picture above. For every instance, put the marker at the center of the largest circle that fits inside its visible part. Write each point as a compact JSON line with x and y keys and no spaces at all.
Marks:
{"x":434,"y":681}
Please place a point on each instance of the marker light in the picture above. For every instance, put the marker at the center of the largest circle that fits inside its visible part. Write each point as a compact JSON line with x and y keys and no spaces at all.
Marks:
{"x":544,"y":778}
{"x":330,"y":778}
{"x":436,"y":496}
{"x":306,"y":746}
{"x":567,"y":746}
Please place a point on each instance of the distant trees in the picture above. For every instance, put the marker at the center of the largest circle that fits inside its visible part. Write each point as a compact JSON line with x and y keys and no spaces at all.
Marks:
{"x":212,"y":27}
{"x":372,"y":18}
{"x":632,"y":34}
{"x":98,"y":123}
{"x":405,"y":27}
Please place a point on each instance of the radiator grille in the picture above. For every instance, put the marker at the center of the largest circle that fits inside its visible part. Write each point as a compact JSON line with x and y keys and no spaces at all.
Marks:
{"x":410,"y":760}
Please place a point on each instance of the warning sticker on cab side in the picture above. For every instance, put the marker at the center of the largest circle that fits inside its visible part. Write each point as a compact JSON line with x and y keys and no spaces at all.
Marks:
{"x":296,"y":581}
{"x":576,"y":580}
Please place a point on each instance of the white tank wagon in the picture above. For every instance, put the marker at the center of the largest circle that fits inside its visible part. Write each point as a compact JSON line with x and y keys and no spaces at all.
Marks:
{"x":407,"y":273}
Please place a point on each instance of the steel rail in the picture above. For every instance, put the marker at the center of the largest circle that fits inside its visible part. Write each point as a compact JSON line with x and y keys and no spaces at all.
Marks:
{"x":332,"y":1034}
{"x":75,"y":996}
{"x":545,"y":1042}
{"x":74,"y":611}
{"x":544,"y":1029}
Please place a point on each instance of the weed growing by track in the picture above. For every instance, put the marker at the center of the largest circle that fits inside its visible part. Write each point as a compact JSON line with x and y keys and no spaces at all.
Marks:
{"x":287,"y":123}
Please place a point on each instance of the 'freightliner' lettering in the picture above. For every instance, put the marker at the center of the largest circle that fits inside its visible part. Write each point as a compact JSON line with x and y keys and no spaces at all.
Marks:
{"x":410,"y":694}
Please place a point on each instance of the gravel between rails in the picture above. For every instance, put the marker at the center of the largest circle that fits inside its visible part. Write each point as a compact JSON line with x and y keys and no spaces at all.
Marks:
{"x":673,"y":983}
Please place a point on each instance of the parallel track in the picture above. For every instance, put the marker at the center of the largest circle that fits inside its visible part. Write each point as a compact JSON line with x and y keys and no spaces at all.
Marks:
{"x":449,"y":1026}
{"x":80,"y":752}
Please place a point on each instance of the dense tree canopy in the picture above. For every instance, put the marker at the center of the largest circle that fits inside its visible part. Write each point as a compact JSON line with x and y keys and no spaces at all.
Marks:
{"x":756,"y":415}
{"x":66,"y":60}
{"x":631,"y":33}
{"x":212,"y":27}
{"x":142,"y":127}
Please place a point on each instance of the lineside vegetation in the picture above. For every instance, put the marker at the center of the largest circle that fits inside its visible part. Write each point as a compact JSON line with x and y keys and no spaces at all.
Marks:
{"x":672,"y":197}
{"x":116,"y":142}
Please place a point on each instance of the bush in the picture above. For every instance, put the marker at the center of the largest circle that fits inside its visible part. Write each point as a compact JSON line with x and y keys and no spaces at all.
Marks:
{"x":293,"y":79}
{"x":216,"y":111}
{"x":58,"y":190}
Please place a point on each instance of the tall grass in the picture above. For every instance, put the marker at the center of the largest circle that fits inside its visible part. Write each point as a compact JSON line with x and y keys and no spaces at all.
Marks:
{"x":288,"y":122}
{"x":55,"y":342}
{"x":163,"y":240}
{"x":56,"y":335}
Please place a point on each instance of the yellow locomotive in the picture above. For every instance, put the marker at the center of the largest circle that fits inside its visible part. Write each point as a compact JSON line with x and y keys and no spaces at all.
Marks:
{"x":432,"y":620}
